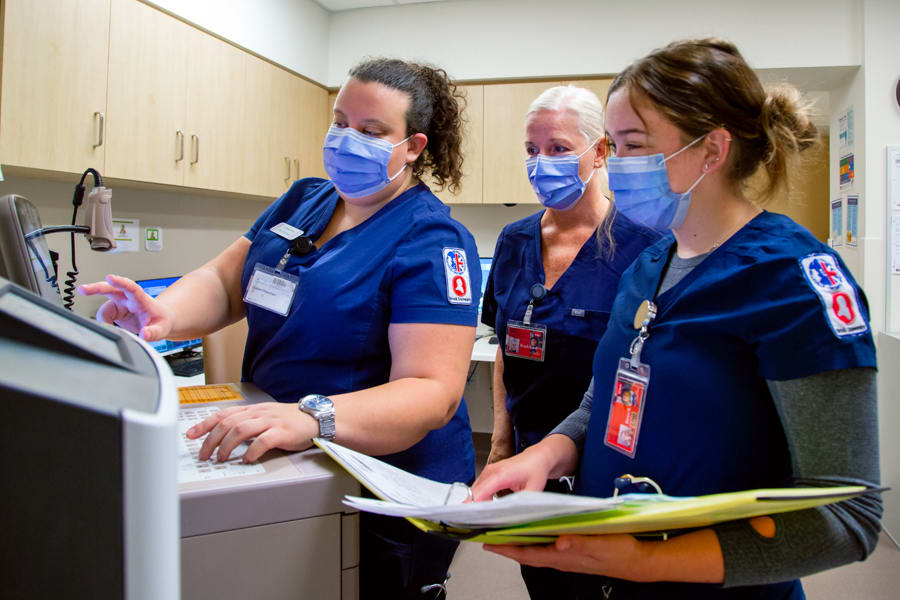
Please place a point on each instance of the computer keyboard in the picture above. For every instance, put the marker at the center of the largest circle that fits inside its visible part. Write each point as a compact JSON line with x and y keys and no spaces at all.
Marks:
{"x":186,"y":366}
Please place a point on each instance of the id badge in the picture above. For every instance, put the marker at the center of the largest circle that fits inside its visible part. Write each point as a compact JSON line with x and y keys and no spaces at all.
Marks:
{"x":271,"y":289}
{"x":526,"y":341}
{"x":626,"y":408}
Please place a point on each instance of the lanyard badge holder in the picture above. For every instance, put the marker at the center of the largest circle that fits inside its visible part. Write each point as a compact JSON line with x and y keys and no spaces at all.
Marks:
{"x":272,"y":288}
{"x":525,"y":339}
{"x":626,"y":408}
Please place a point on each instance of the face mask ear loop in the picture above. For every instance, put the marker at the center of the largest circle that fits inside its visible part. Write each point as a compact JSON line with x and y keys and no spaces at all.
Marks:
{"x":696,"y":183}
{"x":673,"y":155}
{"x":390,"y":179}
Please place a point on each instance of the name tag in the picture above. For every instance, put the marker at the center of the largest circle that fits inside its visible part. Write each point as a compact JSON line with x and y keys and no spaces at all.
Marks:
{"x":271,"y":289}
{"x":526,"y":341}
{"x":288,"y":232}
{"x":626,"y":407}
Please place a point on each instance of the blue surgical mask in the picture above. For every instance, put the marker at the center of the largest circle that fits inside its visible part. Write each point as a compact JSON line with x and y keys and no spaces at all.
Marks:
{"x":642,"y":192}
{"x":555,"y":179}
{"x":357,"y":163}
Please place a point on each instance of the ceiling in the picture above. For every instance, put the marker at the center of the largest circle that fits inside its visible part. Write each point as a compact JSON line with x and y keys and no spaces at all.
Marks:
{"x":339,"y":5}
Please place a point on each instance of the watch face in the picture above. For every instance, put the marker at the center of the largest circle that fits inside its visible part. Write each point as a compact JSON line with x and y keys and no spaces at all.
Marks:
{"x":318,"y":403}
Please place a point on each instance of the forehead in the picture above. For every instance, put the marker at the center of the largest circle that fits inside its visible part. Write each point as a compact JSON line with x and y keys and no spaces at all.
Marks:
{"x":371,"y":100}
{"x":623,"y":117}
{"x":552,"y":124}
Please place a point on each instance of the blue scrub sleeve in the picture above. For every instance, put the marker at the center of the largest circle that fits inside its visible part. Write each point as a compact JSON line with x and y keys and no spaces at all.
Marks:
{"x":420,"y":292}
{"x":791,"y":328}
{"x":489,"y":302}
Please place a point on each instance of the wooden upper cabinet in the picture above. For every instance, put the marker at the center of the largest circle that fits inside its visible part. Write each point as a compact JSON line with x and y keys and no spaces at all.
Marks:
{"x":215,"y":129}
{"x":265,"y":153}
{"x":599,"y":86}
{"x":54,"y":84}
{"x":147,"y":99}
{"x":310,"y":102}
{"x":505,"y":177}
{"x":472,"y":149}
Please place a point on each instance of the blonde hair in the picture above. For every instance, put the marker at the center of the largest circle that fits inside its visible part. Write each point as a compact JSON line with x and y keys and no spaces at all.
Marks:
{"x":584,"y":103}
{"x":589,"y":113}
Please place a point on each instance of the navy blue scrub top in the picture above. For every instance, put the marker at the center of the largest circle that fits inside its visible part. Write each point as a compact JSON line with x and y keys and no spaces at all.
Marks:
{"x":746,"y":314}
{"x":540,"y":395}
{"x":388,"y":269}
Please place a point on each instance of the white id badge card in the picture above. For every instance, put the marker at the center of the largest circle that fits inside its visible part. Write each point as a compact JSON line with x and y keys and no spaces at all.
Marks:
{"x":626,"y":407}
{"x":526,"y":341}
{"x":288,"y":232}
{"x":271,"y":289}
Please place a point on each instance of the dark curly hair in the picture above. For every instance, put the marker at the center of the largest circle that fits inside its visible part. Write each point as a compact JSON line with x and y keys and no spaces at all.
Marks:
{"x":435,"y":109}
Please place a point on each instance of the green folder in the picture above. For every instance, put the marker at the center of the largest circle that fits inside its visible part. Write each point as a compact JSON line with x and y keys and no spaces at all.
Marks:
{"x":638,"y":513}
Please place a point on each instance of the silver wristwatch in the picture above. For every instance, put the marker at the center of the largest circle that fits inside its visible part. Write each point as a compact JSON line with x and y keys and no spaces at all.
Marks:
{"x":322,"y":410}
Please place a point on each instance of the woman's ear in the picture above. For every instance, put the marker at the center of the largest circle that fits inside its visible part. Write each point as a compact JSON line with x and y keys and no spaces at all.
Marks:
{"x":716,"y":147}
{"x":601,"y":147}
{"x":415,"y":146}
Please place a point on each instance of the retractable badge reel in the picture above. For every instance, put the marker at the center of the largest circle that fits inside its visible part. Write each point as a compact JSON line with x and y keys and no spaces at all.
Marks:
{"x":626,"y":409}
{"x":525,"y":339}
{"x":272,"y":288}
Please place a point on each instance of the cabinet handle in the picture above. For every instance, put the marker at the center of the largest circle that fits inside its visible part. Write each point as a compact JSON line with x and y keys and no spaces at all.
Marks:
{"x":179,"y":145}
{"x":297,"y":168}
{"x":98,"y":116}
{"x":287,"y":163}
{"x":195,"y":142}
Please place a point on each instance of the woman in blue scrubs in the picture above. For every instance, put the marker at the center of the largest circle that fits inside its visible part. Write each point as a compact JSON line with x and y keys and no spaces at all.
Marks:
{"x":357,"y":289}
{"x":737,"y":340}
{"x":557,"y":269}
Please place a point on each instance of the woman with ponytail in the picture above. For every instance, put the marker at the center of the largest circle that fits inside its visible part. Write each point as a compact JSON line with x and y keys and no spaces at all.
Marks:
{"x":360,"y":304}
{"x":737,"y":340}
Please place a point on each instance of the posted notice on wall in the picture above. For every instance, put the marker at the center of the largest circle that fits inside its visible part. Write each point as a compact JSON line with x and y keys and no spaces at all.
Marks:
{"x":852,"y":220}
{"x":837,"y":222}
{"x":895,"y":244}
{"x":127,"y":233}
{"x":846,"y":171}
{"x":893,"y":177}
{"x":845,"y":129}
{"x":153,"y":239}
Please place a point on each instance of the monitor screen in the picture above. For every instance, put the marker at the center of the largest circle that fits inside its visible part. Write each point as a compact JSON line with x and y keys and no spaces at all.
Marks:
{"x":485,"y":273}
{"x":155,"y":287}
{"x":24,"y":255}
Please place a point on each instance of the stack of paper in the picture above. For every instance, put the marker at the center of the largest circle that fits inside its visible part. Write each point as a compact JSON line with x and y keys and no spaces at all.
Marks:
{"x":535,"y":517}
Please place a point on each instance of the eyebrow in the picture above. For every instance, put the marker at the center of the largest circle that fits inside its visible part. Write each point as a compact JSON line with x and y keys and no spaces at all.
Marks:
{"x":382,"y":124}
{"x":627,"y":131}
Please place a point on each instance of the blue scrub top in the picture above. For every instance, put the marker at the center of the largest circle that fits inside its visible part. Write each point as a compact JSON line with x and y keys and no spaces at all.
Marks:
{"x":540,"y":395}
{"x":746,"y":314}
{"x":334,"y":340}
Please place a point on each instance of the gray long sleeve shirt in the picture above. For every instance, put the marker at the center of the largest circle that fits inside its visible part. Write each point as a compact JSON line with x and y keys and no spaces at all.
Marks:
{"x":828,"y":418}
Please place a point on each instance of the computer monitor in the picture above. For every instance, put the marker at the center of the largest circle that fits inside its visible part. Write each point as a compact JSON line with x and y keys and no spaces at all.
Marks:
{"x":24,"y":255}
{"x":88,"y":433}
{"x":155,"y":287}
{"x":485,"y":273}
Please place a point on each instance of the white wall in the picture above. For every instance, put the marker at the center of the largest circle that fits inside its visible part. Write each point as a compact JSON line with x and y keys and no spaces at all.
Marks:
{"x":486,"y":221}
{"x":870,"y":92}
{"x":491,"y":39}
{"x":195,"y":229}
{"x":292,"y":33}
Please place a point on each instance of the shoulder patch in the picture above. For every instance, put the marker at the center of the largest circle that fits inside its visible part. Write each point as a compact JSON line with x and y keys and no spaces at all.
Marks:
{"x":839,"y":299}
{"x":456,"y":268}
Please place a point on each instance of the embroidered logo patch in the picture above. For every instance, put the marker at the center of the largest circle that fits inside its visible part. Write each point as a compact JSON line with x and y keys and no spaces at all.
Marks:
{"x":456,"y":268}
{"x":839,"y":299}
